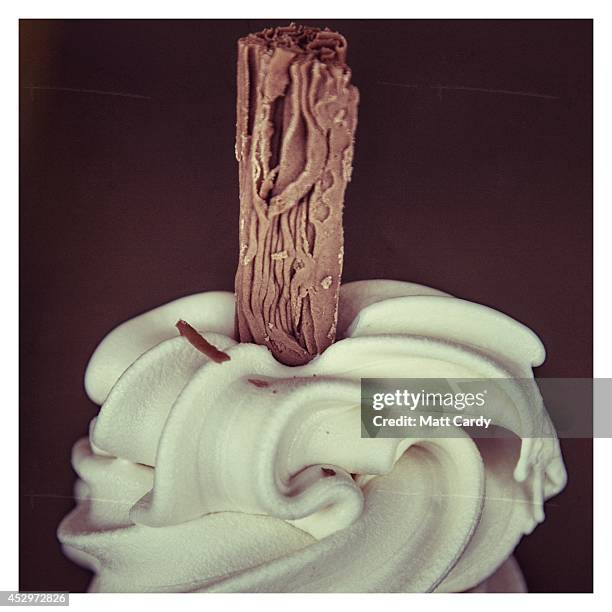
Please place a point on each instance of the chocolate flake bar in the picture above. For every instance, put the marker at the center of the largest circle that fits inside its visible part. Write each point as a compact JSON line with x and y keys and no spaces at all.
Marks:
{"x":296,"y":119}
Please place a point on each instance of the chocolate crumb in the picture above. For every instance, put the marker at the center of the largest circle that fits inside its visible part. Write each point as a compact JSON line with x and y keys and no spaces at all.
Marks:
{"x":200,"y":343}
{"x":259,"y":383}
{"x":328,"y":471}
{"x":326,"y":283}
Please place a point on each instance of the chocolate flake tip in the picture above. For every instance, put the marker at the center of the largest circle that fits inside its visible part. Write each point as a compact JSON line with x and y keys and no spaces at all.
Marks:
{"x":200,"y":343}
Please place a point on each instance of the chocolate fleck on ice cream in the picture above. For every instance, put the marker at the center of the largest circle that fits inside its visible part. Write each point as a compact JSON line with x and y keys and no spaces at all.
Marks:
{"x":296,"y":119}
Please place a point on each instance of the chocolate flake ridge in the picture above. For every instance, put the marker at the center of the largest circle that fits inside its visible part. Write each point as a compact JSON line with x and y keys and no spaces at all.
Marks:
{"x":296,"y":118}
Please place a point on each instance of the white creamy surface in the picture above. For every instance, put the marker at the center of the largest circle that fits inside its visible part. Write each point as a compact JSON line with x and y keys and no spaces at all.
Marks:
{"x":195,"y":479}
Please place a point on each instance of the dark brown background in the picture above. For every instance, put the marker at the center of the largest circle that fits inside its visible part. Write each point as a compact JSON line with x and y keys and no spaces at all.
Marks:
{"x":129,"y":202}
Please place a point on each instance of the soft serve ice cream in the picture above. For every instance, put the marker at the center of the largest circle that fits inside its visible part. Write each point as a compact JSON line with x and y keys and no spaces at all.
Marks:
{"x":249,"y":475}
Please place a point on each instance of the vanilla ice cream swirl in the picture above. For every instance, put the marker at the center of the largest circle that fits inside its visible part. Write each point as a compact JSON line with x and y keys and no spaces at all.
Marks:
{"x":249,"y":475}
